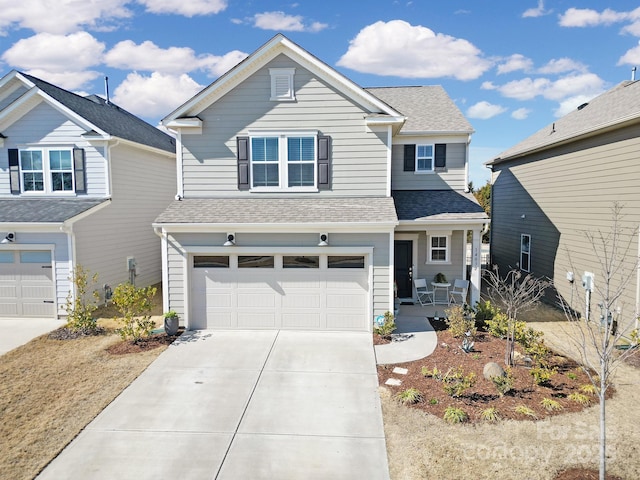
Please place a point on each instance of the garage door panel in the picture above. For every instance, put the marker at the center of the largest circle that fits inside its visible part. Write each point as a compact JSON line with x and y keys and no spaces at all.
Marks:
{"x":26,"y":284}
{"x":217,"y":319}
{"x":301,"y":320}
{"x":345,"y":300}
{"x":301,"y":300}
{"x":36,"y":309}
{"x":257,"y":299}
{"x":256,"y":320}
{"x":9,"y":309}
{"x":8,"y":291}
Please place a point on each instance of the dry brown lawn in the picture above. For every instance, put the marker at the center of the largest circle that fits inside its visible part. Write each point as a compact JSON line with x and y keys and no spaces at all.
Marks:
{"x":423,"y":446}
{"x":50,"y":389}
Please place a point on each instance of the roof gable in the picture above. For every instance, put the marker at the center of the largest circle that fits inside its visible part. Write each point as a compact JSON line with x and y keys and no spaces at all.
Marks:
{"x":270,"y":50}
{"x":614,"y":108}
{"x":93,"y":113}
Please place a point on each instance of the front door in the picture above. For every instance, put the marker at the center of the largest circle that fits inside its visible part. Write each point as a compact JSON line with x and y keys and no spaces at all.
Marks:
{"x":403,"y":260}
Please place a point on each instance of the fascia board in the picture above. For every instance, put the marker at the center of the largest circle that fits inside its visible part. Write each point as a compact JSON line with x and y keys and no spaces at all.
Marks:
{"x":368,"y":227}
{"x":32,"y":226}
{"x":406,"y":225}
{"x":277,"y":45}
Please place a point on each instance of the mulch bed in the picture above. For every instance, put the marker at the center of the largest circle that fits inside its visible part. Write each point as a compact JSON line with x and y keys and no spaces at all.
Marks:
{"x":154,"y":341}
{"x":583,"y":474}
{"x":64,"y":333}
{"x":448,"y":355}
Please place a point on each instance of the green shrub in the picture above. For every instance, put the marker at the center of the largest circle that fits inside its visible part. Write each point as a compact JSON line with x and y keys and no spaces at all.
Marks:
{"x":530,"y":339}
{"x":455,"y":415}
{"x":435,"y":373}
{"x":572,"y":376}
{"x":134,"y":305}
{"x":504,"y":383}
{"x":433,"y":401}
{"x":387,"y":328}
{"x":550,"y":405}
{"x":490,"y":414}
{"x":80,"y":308}
{"x":526,"y":411}
{"x":460,"y":321}
{"x":409,"y":396}
{"x":456,"y":383}
{"x":485,"y":311}
{"x":579,"y":398}
{"x":542,"y":375}
{"x":498,"y":325}
{"x":589,"y":389}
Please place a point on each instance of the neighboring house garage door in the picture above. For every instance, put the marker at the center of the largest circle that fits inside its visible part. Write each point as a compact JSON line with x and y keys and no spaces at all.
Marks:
{"x":26,"y":284}
{"x":315,"y":292}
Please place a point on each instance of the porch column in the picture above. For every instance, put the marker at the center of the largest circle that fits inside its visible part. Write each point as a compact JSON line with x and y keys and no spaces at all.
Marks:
{"x":476,"y":266}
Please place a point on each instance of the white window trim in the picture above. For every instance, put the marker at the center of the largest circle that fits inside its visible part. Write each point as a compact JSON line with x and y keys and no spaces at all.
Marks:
{"x":447,"y":260}
{"x":528,"y":270}
{"x":433,"y":159}
{"x":46,"y":171}
{"x":283,"y":170}
{"x":280,"y":74}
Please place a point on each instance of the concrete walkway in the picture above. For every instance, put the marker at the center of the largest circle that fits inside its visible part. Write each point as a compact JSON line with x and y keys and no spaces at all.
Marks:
{"x":422,"y":339}
{"x":14,"y":333}
{"x":242,"y":404}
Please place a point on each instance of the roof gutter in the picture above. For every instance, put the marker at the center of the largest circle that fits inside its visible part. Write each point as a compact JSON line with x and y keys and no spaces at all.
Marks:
{"x":275,"y":227}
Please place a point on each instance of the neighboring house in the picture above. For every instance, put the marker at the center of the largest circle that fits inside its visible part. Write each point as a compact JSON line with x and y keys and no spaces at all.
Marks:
{"x":562,"y":181}
{"x":81,"y":181}
{"x":302,"y":197}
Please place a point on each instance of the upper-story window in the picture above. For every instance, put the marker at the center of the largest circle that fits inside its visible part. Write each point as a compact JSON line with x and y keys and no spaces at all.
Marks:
{"x":425,"y":158}
{"x":47,"y":170}
{"x":282,"y":88}
{"x":283,"y":161}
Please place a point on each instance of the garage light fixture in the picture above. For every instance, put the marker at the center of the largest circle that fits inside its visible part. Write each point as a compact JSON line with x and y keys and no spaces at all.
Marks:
{"x":324,"y":240}
{"x":231,"y":240}
{"x":10,"y":238}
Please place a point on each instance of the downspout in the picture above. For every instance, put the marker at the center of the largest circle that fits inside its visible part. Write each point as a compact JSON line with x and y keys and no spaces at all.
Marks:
{"x":466,"y":166}
{"x":392,"y":262}
{"x":71,"y":253}
{"x":179,"y":165}
{"x":109,"y":184}
{"x":389,"y":157}
{"x":637,"y":312}
{"x":165,"y":267}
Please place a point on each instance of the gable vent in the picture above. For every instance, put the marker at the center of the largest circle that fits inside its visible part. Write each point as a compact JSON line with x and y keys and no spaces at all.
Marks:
{"x":282,"y":84}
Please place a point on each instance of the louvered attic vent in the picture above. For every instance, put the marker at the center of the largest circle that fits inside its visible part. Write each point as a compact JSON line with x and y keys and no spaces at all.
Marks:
{"x":282,"y":84}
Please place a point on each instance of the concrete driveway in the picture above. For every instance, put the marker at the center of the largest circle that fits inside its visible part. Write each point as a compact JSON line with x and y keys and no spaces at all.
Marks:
{"x":16,"y":332}
{"x":242,"y":404}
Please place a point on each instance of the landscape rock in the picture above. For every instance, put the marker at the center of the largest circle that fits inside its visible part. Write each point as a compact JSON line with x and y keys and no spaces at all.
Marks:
{"x":492,"y":369}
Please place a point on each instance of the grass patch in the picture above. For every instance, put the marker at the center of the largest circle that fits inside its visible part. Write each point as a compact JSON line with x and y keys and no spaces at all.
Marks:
{"x":51,"y":389}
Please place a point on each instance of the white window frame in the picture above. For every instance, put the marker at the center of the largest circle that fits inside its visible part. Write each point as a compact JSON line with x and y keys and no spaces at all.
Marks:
{"x":523,"y":252}
{"x":47,"y":171}
{"x":282,"y":77}
{"x":283,"y":160}
{"x":431,"y":249}
{"x":432,"y":157}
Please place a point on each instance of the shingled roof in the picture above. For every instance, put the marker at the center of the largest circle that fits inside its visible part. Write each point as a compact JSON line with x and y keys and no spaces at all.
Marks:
{"x":427,"y":108}
{"x":280,"y":210}
{"x":619,"y":105}
{"x":108,"y":116}
{"x":437,"y":205}
{"x":44,"y":210}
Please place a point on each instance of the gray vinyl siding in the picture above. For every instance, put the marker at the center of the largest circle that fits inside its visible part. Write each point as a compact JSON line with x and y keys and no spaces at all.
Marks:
{"x":452,"y":269}
{"x":143,"y":186}
{"x":47,"y":126}
{"x":562,"y":193}
{"x":452,"y":177}
{"x":359,"y":157}
{"x":379,"y":241}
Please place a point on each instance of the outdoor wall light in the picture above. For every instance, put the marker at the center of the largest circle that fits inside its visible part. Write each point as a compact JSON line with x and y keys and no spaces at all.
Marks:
{"x":10,"y":238}
{"x":324,"y":240}
{"x":231,"y":240}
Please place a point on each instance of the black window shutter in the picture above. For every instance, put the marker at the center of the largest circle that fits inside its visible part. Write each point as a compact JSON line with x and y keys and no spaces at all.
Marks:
{"x":324,"y":162}
{"x":79,"y":170}
{"x":242,"y":144}
{"x":441,"y":155}
{"x":409,"y":158}
{"x":14,"y":170}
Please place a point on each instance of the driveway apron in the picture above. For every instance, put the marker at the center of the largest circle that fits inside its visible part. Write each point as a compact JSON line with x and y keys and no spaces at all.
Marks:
{"x":242,"y":404}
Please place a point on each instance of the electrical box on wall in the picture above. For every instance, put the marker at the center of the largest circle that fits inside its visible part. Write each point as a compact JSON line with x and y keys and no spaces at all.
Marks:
{"x":570,"y":277}
{"x":587,"y":281}
{"x":131,"y":264}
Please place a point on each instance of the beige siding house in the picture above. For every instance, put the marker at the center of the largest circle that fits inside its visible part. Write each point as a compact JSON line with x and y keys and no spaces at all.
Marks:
{"x":297,"y":189}
{"x":81,"y":181}
{"x":562,"y":182}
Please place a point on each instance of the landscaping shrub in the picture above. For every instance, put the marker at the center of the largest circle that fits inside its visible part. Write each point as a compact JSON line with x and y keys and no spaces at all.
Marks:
{"x":484,"y":311}
{"x":456,"y":383}
{"x":526,"y":411}
{"x":387,"y":328}
{"x":409,"y":396}
{"x":134,"y":305}
{"x":542,"y":375}
{"x":80,"y":308}
{"x":503,"y":383}
{"x":460,"y":320}
{"x":550,"y":405}
{"x":455,"y":415}
{"x":490,"y":414}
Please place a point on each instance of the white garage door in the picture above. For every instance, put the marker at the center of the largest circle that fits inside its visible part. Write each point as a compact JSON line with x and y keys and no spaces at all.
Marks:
{"x":282,"y":291}
{"x":26,"y":284}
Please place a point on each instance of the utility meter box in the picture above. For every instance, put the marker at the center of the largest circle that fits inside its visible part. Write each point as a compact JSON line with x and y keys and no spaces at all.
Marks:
{"x":587,"y":281}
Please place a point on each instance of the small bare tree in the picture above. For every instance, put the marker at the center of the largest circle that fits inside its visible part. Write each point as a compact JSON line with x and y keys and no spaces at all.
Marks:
{"x":515,"y":294}
{"x":596,"y":342}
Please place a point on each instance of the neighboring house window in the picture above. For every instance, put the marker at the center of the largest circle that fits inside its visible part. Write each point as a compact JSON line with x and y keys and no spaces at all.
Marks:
{"x":282,"y":84}
{"x":47,"y":170}
{"x":438,"y":249}
{"x":525,"y":252}
{"x":424,"y":158}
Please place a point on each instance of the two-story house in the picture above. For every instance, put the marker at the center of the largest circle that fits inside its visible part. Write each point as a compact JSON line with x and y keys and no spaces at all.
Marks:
{"x":560,"y":183}
{"x":302,"y":197}
{"x":81,"y":181}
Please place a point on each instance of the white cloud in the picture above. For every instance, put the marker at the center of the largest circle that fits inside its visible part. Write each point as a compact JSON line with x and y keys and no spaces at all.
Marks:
{"x":60,"y":59}
{"x":148,"y":56}
{"x":571,"y":103}
{"x":586,"y":17}
{"x":488,"y":86}
{"x":631,"y":57}
{"x":538,"y":11}
{"x":155,"y":95}
{"x":484,"y":110}
{"x":188,"y":8}
{"x":64,"y":17}
{"x":561,"y":65}
{"x":283,"y":22}
{"x":571,"y":85}
{"x":515,"y":62}
{"x":520,"y":114}
{"x":524,"y":89}
{"x":400,"y":49}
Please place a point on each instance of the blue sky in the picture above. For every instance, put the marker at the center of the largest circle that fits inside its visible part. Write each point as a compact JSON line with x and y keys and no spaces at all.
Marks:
{"x":511,"y":66}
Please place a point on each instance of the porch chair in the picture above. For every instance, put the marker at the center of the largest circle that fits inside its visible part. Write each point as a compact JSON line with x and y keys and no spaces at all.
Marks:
{"x":425,"y":296}
{"x":460,"y":288}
